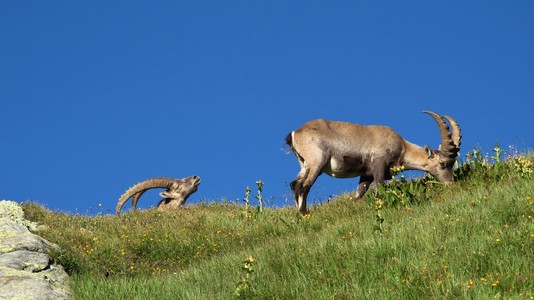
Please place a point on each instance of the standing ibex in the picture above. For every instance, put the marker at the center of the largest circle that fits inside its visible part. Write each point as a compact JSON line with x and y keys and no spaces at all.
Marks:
{"x":346,"y":150}
{"x":175,"y":194}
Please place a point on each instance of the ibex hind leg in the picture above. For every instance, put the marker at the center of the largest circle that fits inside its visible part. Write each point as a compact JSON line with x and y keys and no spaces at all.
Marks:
{"x":296,"y":184}
{"x":306,"y":187}
{"x":301,"y":187}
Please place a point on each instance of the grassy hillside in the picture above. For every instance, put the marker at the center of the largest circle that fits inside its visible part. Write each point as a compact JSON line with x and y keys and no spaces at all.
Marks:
{"x":412,"y":240}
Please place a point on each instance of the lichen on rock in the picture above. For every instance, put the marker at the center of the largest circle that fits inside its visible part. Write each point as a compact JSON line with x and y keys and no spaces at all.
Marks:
{"x":26,"y":269}
{"x":11,"y":210}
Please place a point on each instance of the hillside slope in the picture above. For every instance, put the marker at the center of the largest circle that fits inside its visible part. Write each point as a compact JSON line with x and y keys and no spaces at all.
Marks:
{"x":415,"y":240}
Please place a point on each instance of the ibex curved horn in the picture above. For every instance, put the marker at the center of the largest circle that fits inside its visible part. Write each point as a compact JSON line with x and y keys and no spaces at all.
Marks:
{"x":137,"y":190}
{"x":456,"y":132}
{"x":449,"y":147}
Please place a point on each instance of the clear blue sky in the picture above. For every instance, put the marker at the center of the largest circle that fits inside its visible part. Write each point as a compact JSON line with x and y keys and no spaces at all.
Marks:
{"x":98,"y":95}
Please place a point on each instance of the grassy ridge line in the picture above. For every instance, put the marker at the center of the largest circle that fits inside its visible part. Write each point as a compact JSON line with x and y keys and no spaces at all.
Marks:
{"x":474,"y":239}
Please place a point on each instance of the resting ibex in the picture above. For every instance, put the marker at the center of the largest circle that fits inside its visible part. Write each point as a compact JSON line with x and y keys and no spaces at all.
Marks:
{"x":346,"y":150}
{"x":175,"y":194}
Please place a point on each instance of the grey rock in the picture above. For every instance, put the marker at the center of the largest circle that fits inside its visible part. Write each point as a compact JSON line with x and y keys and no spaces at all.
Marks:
{"x":26,"y":269}
{"x":25,"y":260}
{"x":15,"y":284}
{"x":15,"y":236}
{"x":11,"y":210}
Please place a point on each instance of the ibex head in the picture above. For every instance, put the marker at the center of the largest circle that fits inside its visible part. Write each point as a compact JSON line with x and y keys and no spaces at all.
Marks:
{"x":181,"y":189}
{"x":441,"y":161}
{"x":176,"y":191}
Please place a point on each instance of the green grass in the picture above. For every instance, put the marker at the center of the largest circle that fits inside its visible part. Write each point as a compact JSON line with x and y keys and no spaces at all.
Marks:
{"x":416,"y":240}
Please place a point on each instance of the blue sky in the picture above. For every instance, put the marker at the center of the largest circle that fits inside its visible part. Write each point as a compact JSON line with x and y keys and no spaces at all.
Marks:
{"x":96,"y":96}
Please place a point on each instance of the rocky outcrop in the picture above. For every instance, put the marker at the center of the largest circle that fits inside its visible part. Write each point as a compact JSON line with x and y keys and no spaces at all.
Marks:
{"x":26,"y":269}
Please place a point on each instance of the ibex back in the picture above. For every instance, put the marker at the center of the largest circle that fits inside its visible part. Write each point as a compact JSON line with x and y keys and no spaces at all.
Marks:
{"x":346,"y":150}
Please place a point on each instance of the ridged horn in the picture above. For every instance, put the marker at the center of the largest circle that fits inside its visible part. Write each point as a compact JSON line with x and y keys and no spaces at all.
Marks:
{"x":135,"y":198}
{"x":456,"y":132}
{"x":141,"y":187}
{"x":448,"y":148}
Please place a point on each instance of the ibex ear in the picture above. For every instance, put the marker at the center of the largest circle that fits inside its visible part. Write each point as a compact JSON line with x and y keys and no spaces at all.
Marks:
{"x":429,"y":152}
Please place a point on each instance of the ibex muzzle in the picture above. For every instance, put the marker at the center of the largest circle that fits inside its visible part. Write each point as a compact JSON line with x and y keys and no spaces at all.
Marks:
{"x":346,"y":150}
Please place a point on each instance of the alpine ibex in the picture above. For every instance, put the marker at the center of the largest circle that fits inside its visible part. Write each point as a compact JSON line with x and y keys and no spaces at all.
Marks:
{"x":347,"y":150}
{"x":175,"y":194}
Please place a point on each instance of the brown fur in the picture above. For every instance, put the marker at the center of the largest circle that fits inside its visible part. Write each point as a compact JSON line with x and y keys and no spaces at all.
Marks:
{"x":346,"y":150}
{"x":176,"y":191}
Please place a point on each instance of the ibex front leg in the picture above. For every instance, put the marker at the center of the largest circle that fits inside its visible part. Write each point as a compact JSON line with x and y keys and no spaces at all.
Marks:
{"x":365,"y":182}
